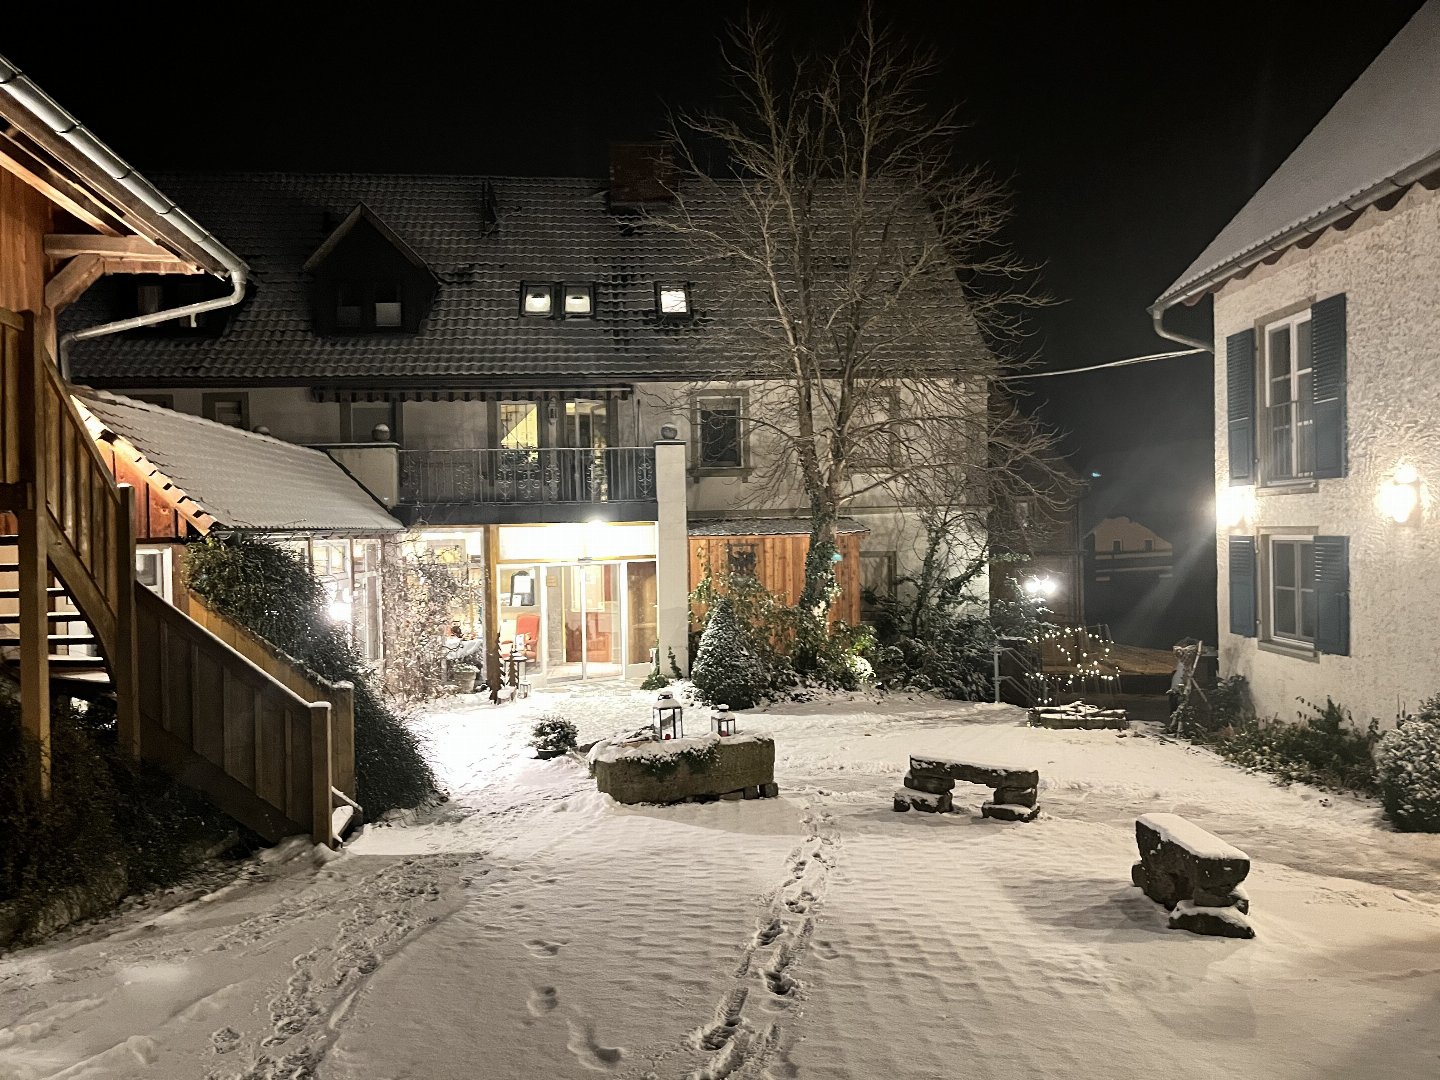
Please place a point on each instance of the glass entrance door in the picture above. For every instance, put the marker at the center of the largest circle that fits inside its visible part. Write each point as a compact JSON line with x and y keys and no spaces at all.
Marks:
{"x":590,"y":620}
{"x":584,"y":433}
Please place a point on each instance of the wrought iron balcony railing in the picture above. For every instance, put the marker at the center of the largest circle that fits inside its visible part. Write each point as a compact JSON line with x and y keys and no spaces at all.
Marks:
{"x":1289,"y":444}
{"x":506,"y":477}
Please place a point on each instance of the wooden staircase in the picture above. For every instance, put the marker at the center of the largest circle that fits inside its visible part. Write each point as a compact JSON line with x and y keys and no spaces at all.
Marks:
{"x":74,"y":621}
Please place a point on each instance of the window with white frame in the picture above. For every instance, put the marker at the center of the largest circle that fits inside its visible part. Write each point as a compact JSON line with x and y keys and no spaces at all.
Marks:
{"x":1287,"y":448}
{"x":1292,"y":588}
{"x":579,"y":300}
{"x":537,"y":299}
{"x":719,"y":444}
{"x":673,"y":299}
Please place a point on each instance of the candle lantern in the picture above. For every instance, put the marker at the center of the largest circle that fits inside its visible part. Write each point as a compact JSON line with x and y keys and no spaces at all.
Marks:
{"x":722,"y":721}
{"x":668,"y":713}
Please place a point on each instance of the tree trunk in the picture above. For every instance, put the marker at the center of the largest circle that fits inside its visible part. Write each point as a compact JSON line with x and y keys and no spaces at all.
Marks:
{"x":821,"y":584}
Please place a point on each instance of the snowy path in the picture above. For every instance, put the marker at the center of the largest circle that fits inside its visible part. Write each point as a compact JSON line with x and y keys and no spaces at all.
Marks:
{"x":532,"y":928}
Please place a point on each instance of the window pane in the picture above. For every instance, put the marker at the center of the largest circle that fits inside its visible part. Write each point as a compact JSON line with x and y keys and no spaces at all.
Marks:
{"x":720,"y":436}
{"x":387,"y":305}
{"x":1285,"y":612}
{"x":538,"y":299}
{"x":519,"y":425}
{"x":1284,"y":568}
{"x":230,"y":413}
{"x":577,"y":300}
{"x":674,"y":300}
{"x":347,"y":306}
{"x":1307,"y":613}
{"x":1279,"y":352}
{"x":1302,"y":346}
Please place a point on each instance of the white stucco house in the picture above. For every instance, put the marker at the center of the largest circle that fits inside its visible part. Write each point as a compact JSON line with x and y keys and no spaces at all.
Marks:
{"x":1326,"y":293}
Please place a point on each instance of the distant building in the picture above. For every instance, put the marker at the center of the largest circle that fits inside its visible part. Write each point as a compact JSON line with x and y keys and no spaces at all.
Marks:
{"x":1119,"y":546}
{"x":1326,"y":290}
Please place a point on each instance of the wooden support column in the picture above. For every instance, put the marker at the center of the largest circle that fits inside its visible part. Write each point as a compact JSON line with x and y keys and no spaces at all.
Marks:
{"x":34,"y":575}
{"x":321,"y":780}
{"x":491,"y":595}
{"x":124,"y":661}
{"x":342,"y":737}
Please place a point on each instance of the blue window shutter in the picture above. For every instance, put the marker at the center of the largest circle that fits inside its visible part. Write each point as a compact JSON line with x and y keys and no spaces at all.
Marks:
{"x":1242,"y":586}
{"x":1240,"y":405}
{"x":1332,"y":595}
{"x":1327,"y":358}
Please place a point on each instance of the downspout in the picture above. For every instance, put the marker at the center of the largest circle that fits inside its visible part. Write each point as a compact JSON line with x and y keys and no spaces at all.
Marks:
{"x":19,"y":87}
{"x":1157,"y":319}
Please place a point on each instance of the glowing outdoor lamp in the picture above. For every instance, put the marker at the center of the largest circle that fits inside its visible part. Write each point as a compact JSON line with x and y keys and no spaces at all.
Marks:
{"x":340,"y":608}
{"x":1234,"y":507}
{"x":1400,"y":495}
{"x":722,"y":721}
{"x":1041,"y":586}
{"x":668,"y":713}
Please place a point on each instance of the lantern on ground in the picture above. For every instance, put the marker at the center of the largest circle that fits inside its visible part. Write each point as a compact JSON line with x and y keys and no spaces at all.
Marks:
{"x":722,"y":721}
{"x":668,"y":713}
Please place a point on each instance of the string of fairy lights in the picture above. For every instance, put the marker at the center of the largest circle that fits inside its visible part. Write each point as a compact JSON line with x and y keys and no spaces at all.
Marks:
{"x":1086,"y":658}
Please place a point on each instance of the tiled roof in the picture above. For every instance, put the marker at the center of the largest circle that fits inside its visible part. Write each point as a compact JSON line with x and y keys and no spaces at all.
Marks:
{"x":1382,"y":134}
{"x":767,"y":527}
{"x":243,"y":480}
{"x":545,"y":229}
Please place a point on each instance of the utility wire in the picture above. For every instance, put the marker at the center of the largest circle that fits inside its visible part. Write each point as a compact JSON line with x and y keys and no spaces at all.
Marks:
{"x":1100,"y":367}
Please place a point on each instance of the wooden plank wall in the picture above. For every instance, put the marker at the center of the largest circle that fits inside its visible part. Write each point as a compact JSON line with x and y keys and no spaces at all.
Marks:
{"x":25,"y":217}
{"x":155,"y":520}
{"x":780,"y":567}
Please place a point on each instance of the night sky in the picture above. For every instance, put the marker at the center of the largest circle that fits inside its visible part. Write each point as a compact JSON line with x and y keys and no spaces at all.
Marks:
{"x":1130,"y":134}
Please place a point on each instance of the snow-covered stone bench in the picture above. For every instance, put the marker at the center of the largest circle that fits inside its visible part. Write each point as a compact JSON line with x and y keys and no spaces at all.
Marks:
{"x":679,"y":770}
{"x":930,"y":783}
{"x":1195,"y":874}
{"x":1077,"y":714}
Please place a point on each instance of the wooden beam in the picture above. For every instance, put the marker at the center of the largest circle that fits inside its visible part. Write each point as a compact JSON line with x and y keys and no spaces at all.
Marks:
{"x":149,"y":266}
{"x":55,"y":192}
{"x":65,"y":246}
{"x":74,"y":278}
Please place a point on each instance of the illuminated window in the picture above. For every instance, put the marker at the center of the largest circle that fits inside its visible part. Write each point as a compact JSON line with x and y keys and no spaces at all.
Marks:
{"x":537,"y":300}
{"x":579,"y":301}
{"x":673,"y":300}
{"x":387,"y":307}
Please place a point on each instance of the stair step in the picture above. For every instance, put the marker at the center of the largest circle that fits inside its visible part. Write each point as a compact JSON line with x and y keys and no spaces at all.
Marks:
{"x":53,"y":616}
{"x":55,"y":639}
{"x":14,"y":594}
{"x":61,"y":660}
{"x":9,"y":567}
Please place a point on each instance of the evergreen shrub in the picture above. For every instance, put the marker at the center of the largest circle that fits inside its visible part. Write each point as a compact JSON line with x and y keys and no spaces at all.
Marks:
{"x":273,"y":594}
{"x":1326,"y":748}
{"x":728,"y":669}
{"x":1408,"y":769}
{"x":552,"y":734}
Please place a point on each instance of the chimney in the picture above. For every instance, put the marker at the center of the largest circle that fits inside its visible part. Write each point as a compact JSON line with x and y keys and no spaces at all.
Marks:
{"x":641,"y":174}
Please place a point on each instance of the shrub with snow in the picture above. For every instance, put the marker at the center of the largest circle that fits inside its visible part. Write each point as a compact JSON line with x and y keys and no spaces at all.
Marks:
{"x":1408,"y":766}
{"x":553,"y":735}
{"x":728,"y":669}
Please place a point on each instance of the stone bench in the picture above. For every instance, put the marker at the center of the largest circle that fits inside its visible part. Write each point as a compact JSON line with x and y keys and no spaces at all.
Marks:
{"x":931,"y":781}
{"x":698,"y":769}
{"x":1195,"y":874}
{"x":1079,"y":715}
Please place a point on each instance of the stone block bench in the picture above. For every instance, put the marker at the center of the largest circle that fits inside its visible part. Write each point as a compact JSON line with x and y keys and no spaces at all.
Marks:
{"x":1195,"y":874}
{"x":931,"y":781}
{"x":698,"y":769}
{"x":1079,"y":715}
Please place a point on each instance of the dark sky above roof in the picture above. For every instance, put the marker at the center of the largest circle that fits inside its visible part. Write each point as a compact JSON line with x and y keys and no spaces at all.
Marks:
{"x":1131,"y":133}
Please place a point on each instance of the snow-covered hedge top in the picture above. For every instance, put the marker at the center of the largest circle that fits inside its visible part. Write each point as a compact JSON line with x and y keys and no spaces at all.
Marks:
{"x":608,"y":750}
{"x":1188,"y":835}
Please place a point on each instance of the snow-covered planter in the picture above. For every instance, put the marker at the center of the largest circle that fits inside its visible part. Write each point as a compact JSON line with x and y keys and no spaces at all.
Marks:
{"x":552,"y":736}
{"x":1407,"y":765}
{"x":705,"y":766}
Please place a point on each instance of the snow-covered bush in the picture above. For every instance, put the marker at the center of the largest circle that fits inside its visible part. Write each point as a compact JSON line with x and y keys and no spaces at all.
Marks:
{"x":1326,"y":748}
{"x":728,"y":669}
{"x":1407,"y":765}
{"x":553,"y":734}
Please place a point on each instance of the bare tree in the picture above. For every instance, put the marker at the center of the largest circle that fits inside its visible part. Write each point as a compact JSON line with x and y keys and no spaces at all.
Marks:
{"x":862,"y":280}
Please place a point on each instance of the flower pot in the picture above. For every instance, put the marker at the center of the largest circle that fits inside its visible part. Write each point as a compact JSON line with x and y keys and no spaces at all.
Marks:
{"x":546,"y":755}
{"x":463,"y":679}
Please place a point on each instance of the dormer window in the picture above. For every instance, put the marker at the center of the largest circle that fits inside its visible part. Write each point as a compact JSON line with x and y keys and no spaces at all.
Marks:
{"x":362,"y":306}
{"x":673,"y":300}
{"x":579,"y":300}
{"x":365,"y":279}
{"x":387,"y":306}
{"x":537,"y":300}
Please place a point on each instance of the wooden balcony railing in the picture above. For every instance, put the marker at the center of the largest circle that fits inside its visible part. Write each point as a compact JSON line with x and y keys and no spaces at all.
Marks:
{"x":509,"y":477}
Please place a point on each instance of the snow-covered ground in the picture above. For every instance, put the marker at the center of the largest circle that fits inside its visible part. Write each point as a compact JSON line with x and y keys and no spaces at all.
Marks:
{"x":533,"y":928}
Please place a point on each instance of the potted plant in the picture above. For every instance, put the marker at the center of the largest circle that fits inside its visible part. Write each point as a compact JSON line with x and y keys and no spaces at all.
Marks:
{"x":552,"y":736}
{"x":463,"y":676}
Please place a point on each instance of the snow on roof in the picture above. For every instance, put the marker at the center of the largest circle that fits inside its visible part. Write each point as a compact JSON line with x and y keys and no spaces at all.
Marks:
{"x":1382,"y":135}
{"x":768,"y":527}
{"x":243,"y":480}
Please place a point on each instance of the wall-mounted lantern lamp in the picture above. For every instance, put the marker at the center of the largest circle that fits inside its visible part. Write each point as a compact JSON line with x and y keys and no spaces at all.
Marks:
{"x":1038,"y":586}
{"x":1400,"y":495}
{"x":1235,"y":507}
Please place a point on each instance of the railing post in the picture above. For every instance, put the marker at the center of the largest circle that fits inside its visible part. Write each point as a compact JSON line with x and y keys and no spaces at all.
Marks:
{"x":342,"y":734}
{"x":34,"y":571}
{"x":124,"y":661}
{"x":321,"y":780}
{"x":995,"y":657}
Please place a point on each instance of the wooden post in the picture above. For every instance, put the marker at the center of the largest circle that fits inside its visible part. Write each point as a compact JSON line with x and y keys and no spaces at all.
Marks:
{"x":342,"y":734}
{"x":321,"y":801}
{"x":124,"y":661}
{"x":491,"y":629}
{"x":34,"y":573}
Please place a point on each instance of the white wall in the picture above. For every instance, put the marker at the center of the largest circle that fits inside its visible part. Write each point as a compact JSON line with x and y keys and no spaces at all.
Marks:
{"x":1388,"y":265}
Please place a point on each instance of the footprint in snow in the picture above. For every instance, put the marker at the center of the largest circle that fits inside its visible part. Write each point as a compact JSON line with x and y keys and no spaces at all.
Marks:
{"x":589,"y":1052}
{"x":225,"y":1040}
{"x":543,"y":999}
{"x":540,"y":947}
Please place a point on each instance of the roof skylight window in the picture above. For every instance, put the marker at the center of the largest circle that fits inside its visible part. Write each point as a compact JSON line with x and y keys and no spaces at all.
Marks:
{"x":537,"y":299}
{"x":579,"y":300}
{"x":673,"y":299}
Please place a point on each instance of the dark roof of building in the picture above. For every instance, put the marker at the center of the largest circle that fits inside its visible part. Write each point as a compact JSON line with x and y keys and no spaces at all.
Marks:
{"x":767,"y":527}
{"x":1381,"y":136}
{"x":481,"y":237}
{"x":243,"y":480}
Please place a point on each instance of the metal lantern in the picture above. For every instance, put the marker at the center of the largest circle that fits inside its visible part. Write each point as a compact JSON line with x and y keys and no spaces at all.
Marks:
{"x":722,"y":721}
{"x":668,"y":713}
